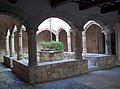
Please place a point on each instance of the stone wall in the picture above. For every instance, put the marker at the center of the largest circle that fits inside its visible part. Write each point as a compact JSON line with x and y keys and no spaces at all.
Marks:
{"x":51,"y":55}
{"x":69,"y":55}
{"x":104,"y":62}
{"x":60,"y":70}
{"x":21,"y":70}
{"x":49,"y":71}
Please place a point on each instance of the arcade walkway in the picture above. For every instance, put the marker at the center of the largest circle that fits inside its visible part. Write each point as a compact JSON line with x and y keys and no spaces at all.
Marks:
{"x":104,"y":79}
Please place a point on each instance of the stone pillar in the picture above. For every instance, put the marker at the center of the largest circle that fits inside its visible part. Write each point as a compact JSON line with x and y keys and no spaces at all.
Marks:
{"x":32,"y":47}
{"x":20,"y":46}
{"x":7,"y":51}
{"x":107,"y":43}
{"x":84,"y":42}
{"x":51,"y":37}
{"x":78,"y":45}
{"x":57,"y":37}
{"x":69,"y":42}
{"x":12,"y":46}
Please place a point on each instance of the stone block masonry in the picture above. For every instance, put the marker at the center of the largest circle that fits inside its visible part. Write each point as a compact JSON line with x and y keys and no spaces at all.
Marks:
{"x":104,"y":62}
{"x":51,"y":55}
{"x":61,"y":70}
{"x":21,"y":69}
{"x":50,"y":71}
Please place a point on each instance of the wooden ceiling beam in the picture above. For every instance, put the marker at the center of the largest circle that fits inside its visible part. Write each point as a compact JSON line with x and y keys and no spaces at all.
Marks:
{"x":55,"y":3}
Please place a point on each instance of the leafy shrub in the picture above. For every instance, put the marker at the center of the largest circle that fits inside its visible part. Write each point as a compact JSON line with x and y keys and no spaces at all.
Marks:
{"x":53,"y":45}
{"x":56,"y":45}
{"x":44,"y":43}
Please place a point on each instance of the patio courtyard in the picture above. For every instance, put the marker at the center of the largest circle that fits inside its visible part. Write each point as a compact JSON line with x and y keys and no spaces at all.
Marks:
{"x":102,"y":79}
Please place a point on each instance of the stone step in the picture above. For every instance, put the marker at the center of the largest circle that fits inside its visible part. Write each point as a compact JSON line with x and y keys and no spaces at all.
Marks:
{"x":92,"y":68}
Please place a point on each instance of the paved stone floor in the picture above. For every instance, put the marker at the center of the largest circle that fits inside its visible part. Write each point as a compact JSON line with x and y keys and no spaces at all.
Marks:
{"x":103,"y":79}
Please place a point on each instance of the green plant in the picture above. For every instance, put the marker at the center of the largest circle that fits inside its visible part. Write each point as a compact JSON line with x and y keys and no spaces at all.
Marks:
{"x":44,"y":43}
{"x":56,"y":45}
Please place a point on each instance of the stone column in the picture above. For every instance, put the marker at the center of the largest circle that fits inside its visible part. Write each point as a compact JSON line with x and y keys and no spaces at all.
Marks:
{"x":78,"y":45}
{"x":69,"y":42}
{"x":51,"y":37}
{"x":7,"y":51}
{"x":84,"y":42}
{"x":12,"y":46}
{"x":32,"y":47}
{"x":57,"y":37}
{"x":20,"y":46}
{"x":107,"y":43}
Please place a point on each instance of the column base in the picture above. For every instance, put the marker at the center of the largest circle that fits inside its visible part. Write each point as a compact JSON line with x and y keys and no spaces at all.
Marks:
{"x":84,"y":51}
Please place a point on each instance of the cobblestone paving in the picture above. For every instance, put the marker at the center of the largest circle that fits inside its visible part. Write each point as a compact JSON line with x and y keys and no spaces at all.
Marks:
{"x":104,"y":79}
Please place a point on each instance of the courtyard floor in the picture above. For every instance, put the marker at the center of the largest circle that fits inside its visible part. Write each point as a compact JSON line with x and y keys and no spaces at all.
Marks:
{"x":103,"y":79}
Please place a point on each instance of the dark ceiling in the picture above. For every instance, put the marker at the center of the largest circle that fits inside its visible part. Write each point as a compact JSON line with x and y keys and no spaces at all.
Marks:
{"x":105,"y":5}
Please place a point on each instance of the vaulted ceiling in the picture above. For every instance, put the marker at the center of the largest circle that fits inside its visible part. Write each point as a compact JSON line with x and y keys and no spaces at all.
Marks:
{"x":104,"y":5}
{"x":7,"y":22}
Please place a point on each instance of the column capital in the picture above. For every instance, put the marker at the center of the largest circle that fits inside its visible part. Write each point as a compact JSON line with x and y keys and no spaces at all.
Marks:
{"x":12,"y":35}
{"x":84,"y":34}
{"x":20,"y":34}
{"x":68,"y":35}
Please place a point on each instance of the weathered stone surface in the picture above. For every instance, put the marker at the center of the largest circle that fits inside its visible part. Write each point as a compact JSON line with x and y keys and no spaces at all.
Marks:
{"x":21,"y":70}
{"x":102,"y":61}
{"x":49,"y":72}
{"x":51,"y":55}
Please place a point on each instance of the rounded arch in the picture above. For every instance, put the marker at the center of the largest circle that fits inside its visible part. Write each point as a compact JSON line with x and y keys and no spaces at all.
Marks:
{"x":61,"y":28}
{"x":63,"y":39}
{"x":115,"y":42}
{"x":14,"y":12}
{"x":114,"y":25}
{"x":98,"y":20}
{"x":89,"y":23}
{"x":7,"y":34}
{"x":3,"y":30}
{"x":73,"y":21}
{"x":48,"y":29}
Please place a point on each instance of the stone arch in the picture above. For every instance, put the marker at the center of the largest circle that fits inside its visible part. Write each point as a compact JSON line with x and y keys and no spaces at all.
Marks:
{"x":89,"y":23}
{"x":61,"y":28}
{"x":98,"y":19}
{"x":15,"y":12}
{"x":63,"y":38}
{"x":7,"y":33}
{"x":46,"y":28}
{"x":106,"y":30}
{"x":73,"y":21}
{"x":115,"y":27}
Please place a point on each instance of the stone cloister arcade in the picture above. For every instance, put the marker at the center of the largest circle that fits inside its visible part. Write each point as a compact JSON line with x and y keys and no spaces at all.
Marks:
{"x":16,"y":43}
{"x":89,"y":37}
{"x":99,"y":42}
